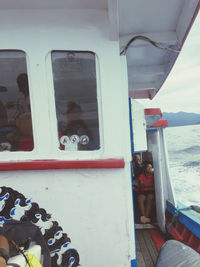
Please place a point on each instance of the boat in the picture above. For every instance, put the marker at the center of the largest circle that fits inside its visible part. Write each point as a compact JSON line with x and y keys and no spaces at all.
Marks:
{"x":70,"y":122}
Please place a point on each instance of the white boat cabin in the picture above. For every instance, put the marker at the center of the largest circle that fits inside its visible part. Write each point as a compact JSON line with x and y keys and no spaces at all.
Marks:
{"x":67,"y":71}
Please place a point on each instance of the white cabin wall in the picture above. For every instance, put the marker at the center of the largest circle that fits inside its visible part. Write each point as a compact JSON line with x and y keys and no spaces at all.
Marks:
{"x":154,"y":147}
{"x":94,"y":207}
{"x":60,"y":30}
{"x":139,"y":126}
{"x":93,"y":215}
{"x":127,"y":146}
{"x":163,"y":184}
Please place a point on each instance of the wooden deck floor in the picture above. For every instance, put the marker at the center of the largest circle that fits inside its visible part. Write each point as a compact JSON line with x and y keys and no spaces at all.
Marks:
{"x":146,"y":251}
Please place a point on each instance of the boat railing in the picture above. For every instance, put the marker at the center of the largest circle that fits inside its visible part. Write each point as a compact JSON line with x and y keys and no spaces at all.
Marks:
{"x":183,"y":224}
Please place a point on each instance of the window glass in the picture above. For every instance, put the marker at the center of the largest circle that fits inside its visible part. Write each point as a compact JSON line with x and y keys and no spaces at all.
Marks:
{"x":75,"y":88}
{"x":15,"y":113}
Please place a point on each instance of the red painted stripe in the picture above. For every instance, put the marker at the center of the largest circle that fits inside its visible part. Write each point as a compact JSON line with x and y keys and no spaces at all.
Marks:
{"x":157,"y":238}
{"x":50,"y":164}
{"x":161,"y":123}
{"x":182,"y":234}
{"x":153,"y":111}
{"x":176,"y":235}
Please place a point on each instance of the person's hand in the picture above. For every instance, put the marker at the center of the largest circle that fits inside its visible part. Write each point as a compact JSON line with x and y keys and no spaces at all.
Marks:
{"x":2,"y":262}
{"x":5,"y":146}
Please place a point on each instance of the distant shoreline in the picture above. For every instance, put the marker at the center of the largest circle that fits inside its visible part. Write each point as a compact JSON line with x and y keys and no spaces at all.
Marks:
{"x":181,"y":118}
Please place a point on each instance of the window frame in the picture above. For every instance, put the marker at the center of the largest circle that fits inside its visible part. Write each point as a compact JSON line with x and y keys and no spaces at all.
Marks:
{"x":52,"y":105}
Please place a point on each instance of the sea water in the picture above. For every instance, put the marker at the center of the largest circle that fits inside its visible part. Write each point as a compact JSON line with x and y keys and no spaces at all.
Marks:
{"x":183,"y":144}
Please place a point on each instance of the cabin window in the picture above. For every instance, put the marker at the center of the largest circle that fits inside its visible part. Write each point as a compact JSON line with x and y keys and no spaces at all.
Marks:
{"x":15,"y":112}
{"x":75,"y":86}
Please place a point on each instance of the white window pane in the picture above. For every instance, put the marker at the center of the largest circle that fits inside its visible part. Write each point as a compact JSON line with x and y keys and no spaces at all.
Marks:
{"x":15,"y":113}
{"x":75,"y":87}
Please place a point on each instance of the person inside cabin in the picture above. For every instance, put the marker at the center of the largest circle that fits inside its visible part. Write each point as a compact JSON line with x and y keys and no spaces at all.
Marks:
{"x":77,"y":126}
{"x":21,"y":106}
{"x":3,"y":116}
{"x":4,"y":144}
{"x":23,"y":140}
{"x":22,"y":82}
{"x":24,"y":125}
{"x":146,"y":192}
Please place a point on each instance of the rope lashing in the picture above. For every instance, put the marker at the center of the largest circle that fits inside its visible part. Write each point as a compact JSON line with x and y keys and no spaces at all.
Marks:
{"x":175,"y":217}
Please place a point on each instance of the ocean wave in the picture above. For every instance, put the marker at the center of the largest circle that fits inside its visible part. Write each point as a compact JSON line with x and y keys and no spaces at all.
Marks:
{"x":184,"y":162}
{"x":192,"y":164}
{"x":192,"y":150}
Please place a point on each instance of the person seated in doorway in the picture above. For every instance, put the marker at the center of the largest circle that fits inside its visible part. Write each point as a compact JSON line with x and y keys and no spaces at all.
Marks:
{"x":137,"y":170}
{"x":146,"y":192}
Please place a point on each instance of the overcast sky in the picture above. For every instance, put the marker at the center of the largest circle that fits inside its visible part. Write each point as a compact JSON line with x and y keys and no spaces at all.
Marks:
{"x":181,"y":90}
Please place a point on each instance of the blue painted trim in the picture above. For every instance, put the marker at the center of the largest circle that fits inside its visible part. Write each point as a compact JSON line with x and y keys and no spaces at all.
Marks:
{"x":131,"y":126}
{"x":188,"y":220}
{"x":139,"y":151}
{"x":133,"y":263}
{"x":133,"y":218}
{"x":151,"y":130}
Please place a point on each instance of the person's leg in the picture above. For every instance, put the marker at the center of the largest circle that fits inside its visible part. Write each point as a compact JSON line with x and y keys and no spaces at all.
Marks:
{"x":141,"y":202}
{"x":149,"y":201}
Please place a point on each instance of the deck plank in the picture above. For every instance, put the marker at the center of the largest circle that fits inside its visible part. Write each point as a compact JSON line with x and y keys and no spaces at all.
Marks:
{"x":146,"y":250}
{"x":150,"y":245}
{"x":140,"y":259}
